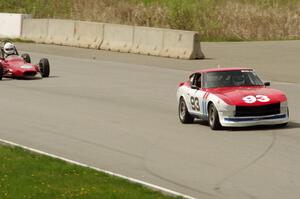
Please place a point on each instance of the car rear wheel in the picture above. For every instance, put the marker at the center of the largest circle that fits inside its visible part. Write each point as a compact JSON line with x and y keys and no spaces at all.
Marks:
{"x":184,"y":116}
{"x":213,"y":118}
{"x":26,"y":58}
{"x":44,"y":67}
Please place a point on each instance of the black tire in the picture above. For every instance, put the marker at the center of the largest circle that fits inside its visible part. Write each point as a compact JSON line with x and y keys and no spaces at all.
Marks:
{"x":213,"y":117}
{"x":26,"y":58}
{"x":184,"y":116}
{"x":1,"y":72}
{"x":44,"y":67}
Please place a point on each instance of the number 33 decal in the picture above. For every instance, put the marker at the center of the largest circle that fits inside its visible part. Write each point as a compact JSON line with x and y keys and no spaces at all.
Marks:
{"x":251,"y":99}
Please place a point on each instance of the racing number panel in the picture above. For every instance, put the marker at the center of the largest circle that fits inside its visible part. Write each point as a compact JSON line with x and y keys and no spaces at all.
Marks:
{"x":195,"y":103}
{"x":195,"y":93}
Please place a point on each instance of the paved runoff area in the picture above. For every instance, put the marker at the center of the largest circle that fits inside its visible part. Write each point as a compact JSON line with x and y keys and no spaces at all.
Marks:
{"x":118,"y":112}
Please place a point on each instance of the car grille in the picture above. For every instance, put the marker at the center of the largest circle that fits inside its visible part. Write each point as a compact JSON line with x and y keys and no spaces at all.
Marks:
{"x":245,"y":111}
{"x":29,"y":73}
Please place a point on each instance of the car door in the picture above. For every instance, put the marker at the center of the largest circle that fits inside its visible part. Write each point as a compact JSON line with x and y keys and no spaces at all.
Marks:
{"x":196,"y":95}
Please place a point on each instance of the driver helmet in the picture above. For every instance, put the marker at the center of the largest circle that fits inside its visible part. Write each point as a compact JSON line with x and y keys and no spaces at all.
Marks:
{"x":238,"y":80}
{"x":9,"y":48}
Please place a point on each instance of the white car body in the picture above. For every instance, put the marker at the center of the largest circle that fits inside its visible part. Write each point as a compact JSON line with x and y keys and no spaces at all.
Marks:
{"x":232,"y":103}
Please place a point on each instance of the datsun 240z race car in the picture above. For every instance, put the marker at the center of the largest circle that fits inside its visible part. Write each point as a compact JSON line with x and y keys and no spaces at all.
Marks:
{"x":231,"y":97}
{"x":14,"y":66}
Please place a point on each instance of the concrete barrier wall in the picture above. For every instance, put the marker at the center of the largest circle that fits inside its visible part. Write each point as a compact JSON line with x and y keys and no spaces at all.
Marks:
{"x":114,"y":37}
{"x":181,"y":44}
{"x":117,"y":38}
{"x":35,"y":29}
{"x":60,"y":32}
{"x":11,"y":24}
{"x":88,"y":34}
{"x":148,"y":41}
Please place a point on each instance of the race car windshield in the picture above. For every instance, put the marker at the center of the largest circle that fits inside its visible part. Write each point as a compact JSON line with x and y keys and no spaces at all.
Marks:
{"x":231,"y":79}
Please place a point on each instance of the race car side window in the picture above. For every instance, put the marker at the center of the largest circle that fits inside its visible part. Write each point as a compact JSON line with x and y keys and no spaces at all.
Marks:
{"x":195,"y":81}
{"x":198,"y":80}
{"x":192,"y":77}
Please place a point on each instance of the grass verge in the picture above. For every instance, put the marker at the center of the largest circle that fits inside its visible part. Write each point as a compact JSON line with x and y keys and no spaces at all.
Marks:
{"x":216,"y":20}
{"x":5,"y":39}
{"x":25,"y":175}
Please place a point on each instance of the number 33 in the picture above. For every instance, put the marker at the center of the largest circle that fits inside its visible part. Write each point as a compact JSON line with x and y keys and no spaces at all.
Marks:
{"x":251,"y":99}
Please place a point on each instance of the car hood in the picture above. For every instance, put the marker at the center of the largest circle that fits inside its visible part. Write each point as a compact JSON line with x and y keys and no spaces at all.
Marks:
{"x":249,"y":96}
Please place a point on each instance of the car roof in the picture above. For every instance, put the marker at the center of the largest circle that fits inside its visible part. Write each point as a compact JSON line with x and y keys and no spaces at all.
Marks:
{"x":220,"y":70}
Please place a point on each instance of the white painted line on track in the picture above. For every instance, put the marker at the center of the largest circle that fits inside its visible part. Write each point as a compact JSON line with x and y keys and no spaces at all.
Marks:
{"x":156,"y":187}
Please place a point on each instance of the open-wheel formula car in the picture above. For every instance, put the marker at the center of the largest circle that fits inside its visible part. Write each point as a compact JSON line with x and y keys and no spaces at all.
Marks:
{"x":231,"y":97}
{"x":12,"y":65}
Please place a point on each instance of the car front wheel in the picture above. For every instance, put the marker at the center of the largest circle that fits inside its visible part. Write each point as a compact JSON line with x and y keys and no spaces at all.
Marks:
{"x":213,"y":118}
{"x":184,"y":116}
{"x":44,"y":67}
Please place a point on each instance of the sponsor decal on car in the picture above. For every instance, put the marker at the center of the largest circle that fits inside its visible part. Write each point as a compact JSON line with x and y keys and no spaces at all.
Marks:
{"x":26,"y":67}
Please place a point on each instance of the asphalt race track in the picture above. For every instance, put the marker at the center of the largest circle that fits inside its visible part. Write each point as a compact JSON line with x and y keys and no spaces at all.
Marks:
{"x":118,"y":112}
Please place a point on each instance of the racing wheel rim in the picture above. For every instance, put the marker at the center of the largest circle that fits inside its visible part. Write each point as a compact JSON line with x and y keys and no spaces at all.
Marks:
{"x":211,"y":116}
{"x":182,"y":110}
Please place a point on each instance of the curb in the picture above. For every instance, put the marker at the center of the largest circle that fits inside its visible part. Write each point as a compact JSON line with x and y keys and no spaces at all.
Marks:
{"x":155,"y":187}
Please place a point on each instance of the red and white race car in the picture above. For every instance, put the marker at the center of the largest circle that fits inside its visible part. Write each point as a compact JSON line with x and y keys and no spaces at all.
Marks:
{"x":231,"y":97}
{"x":14,"y":66}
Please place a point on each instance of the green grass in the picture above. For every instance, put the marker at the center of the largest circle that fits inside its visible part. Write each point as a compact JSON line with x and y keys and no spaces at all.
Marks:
{"x":216,"y":20}
{"x":2,"y":39}
{"x":25,"y":175}
{"x":38,"y":8}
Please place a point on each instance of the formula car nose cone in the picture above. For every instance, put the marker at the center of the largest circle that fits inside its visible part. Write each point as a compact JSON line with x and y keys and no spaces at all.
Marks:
{"x":29,"y":73}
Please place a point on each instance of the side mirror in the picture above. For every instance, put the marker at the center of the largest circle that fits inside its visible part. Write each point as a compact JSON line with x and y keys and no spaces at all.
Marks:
{"x":194,"y":87}
{"x":267,"y":84}
{"x":180,"y":84}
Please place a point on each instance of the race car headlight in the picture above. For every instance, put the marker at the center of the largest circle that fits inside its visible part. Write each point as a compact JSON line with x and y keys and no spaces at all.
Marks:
{"x":226,"y":110}
{"x":284,"y":104}
{"x":225,"y":107}
{"x":284,"y":107}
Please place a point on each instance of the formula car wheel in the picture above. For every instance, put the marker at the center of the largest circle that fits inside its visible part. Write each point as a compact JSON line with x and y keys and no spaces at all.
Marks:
{"x":213,"y":118}
{"x":184,"y":116}
{"x":26,"y":58}
{"x":44,"y":67}
{"x":1,"y":72}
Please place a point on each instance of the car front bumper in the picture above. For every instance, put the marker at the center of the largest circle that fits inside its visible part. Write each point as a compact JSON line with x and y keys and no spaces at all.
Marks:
{"x":228,"y":119}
